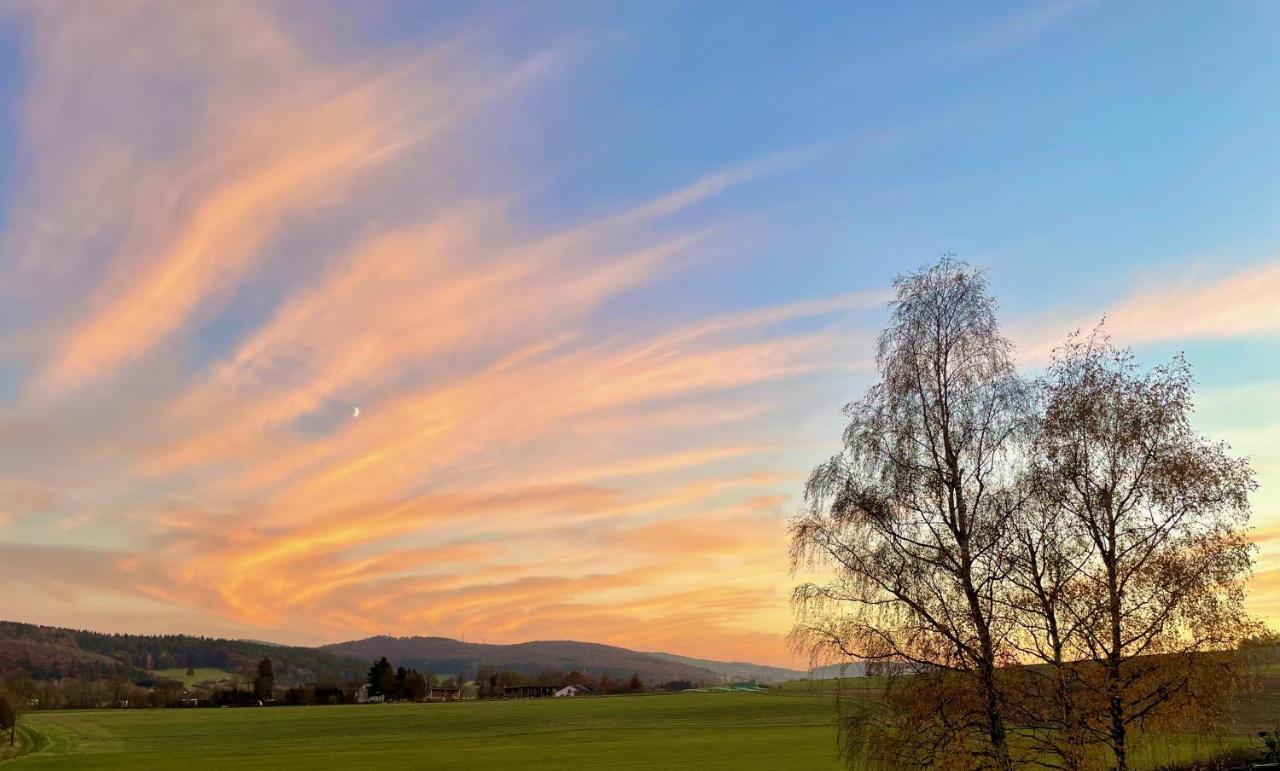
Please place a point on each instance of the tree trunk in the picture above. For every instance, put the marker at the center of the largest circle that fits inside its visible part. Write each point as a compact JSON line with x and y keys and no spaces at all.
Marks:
{"x":1115,"y":697}
{"x":1116,"y":703}
{"x":1117,"y":733}
{"x":986,"y":668}
{"x":995,"y":720}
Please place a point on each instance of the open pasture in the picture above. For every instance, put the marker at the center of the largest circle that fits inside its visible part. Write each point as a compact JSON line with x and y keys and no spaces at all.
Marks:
{"x":846,"y":687}
{"x":739,"y":730}
{"x":707,"y":731}
{"x":199,"y":675}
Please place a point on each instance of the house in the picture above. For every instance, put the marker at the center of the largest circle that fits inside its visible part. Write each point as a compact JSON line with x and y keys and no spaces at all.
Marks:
{"x":363,"y":697}
{"x":573,"y":690}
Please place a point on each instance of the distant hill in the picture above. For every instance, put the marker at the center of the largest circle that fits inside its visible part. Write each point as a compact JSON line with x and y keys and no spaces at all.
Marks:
{"x":738,"y":671}
{"x":45,"y":652}
{"x":741,"y":671}
{"x":852,"y":669}
{"x":442,"y":655}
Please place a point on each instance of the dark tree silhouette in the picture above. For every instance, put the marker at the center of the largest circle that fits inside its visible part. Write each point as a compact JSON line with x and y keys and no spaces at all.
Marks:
{"x":415,"y":686}
{"x":397,"y":689}
{"x":10,"y":710}
{"x":264,"y":680}
{"x":911,"y":517}
{"x":1149,"y":528}
{"x":381,"y":678}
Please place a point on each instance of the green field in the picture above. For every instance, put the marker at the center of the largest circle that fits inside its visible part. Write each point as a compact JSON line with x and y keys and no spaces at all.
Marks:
{"x":792,"y":727}
{"x":844,"y":686}
{"x":706,"y":731}
{"x":199,"y":675}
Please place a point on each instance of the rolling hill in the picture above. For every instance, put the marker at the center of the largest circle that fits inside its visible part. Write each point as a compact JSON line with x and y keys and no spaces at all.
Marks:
{"x":851,"y":669}
{"x":45,"y":652}
{"x":443,"y":655}
{"x":740,"y":671}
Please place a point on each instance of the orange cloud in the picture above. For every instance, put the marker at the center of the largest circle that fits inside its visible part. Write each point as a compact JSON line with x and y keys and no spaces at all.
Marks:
{"x":307,"y":239}
{"x":1194,"y":307}
{"x":211,"y":282}
{"x":292,"y":136}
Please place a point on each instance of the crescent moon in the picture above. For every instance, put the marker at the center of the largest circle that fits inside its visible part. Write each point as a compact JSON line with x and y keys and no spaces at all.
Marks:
{"x":356,"y":414}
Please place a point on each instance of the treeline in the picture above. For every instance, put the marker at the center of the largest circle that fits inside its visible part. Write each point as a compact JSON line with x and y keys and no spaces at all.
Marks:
{"x":490,"y":681}
{"x":382,"y":682}
{"x":390,"y":683}
{"x":84,"y":693}
{"x":402,"y":683}
{"x":164,"y":693}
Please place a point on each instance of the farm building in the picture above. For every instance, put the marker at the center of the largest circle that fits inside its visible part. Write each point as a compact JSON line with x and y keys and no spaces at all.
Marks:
{"x":443,"y":693}
{"x":528,"y":691}
{"x":573,"y":690}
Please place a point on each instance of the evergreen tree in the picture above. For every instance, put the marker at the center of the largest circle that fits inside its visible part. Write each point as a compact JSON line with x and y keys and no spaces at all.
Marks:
{"x":264,"y":682}
{"x":381,"y":678}
{"x":415,"y":686}
{"x":397,"y":690}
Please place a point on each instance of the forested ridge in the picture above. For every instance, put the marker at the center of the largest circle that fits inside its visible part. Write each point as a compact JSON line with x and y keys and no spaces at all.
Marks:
{"x":44,"y":653}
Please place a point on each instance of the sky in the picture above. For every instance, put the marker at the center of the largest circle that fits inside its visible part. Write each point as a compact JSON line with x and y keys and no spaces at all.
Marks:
{"x":598,"y":278}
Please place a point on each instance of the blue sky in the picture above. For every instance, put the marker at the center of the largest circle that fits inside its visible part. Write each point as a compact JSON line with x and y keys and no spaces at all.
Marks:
{"x":595,"y":274}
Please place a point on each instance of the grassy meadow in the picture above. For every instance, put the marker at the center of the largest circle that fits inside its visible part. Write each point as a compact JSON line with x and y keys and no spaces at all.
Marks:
{"x":788,"y":726}
{"x":199,"y":675}
{"x":844,"y":686}
{"x":708,"y":731}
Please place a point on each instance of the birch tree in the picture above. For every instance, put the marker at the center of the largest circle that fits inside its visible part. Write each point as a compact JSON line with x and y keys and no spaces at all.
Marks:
{"x":1155,"y":520}
{"x":912,"y":520}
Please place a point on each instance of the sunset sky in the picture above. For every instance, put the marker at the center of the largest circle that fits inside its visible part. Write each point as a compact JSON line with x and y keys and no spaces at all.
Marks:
{"x":598,"y":277}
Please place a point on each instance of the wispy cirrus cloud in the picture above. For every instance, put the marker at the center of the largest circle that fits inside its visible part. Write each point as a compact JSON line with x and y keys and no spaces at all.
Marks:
{"x":1022,"y":27}
{"x":296,"y":233}
{"x":230,"y":231}
{"x":284,"y":139}
{"x":1198,"y":304}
